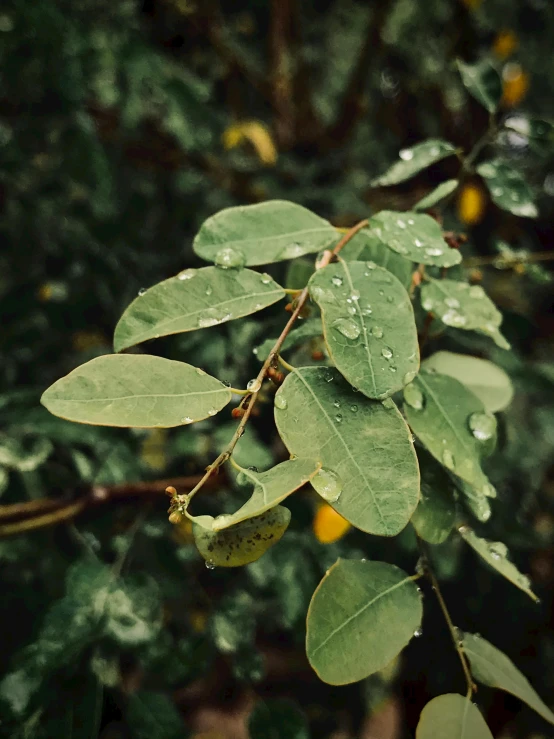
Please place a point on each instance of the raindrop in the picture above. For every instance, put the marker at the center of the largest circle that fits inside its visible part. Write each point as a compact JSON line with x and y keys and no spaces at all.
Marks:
{"x":452,"y":302}
{"x":390,"y":299}
{"x":328,"y":484}
{"x":210,"y":564}
{"x":377,"y":331}
{"x":433,"y":251}
{"x":351,"y":310}
{"x":386,"y":352}
{"x":141,"y":292}
{"x":408,"y":377}
{"x":354,"y":408}
{"x":414,"y":397}
{"x":186,"y":419}
{"x":266,"y":279}
{"x":212,"y":412}
{"x":254,"y":385}
{"x":207,"y":321}
{"x":367,"y":311}
{"x":355,"y":296}
{"x":291,"y":251}
{"x":418,"y":243}
{"x":498,"y":550}
{"x":406,"y":155}
{"x":392,"y":368}
{"x":229,"y":258}
{"x":453,"y":318}
{"x":209,"y":290}
{"x":427,"y":304}
{"x":497,"y":192}
{"x":186,"y":274}
{"x":336,"y":280}
{"x":280,"y":402}
{"x":400,"y":223}
{"x":347,"y":327}
{"x":370,"y":265}
{"x":418,"y":632}
{"x":336,"y":403}
{"x":338,"y":418}
{"x":448,"y":458}
{"x":482,"y":425}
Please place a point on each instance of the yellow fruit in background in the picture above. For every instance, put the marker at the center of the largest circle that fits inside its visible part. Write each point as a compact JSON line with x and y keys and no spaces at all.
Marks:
{"x":329,"y":526}
{"x":257,"y":134}
{"x":505,"y":44}
{"x":515,"y":83}
{"x":471,"y":204}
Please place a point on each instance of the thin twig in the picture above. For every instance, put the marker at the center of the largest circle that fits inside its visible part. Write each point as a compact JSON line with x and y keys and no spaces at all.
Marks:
{"x":29,"y":524}
{"x":505,"y":261}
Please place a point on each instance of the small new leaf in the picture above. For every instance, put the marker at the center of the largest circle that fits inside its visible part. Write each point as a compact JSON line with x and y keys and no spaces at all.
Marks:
{"x":365,"y":246}
{"x":483,"y":82}
{"x":437,"y":195}
{"x":414,"y":159}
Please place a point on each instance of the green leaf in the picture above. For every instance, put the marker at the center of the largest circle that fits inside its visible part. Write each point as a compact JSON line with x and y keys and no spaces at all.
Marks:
{"x":434,"y":197}
{"x":134,"y":611}
{"x":242,"y":543}
{"x":79,"y":715}
{"x":361,"y":616}
{"x":365,"y":246}
{"x":366,"y":445}
{"x":441,"y":413}
{"x":194,"y":299}
{"x":491,"y":667}
{"x":24,"y":454}
{"x":486,"y":380}
{"x":270,"y":488}
{"x":266,"y":232}
{"x":508,"y":188}
{"x":413,"y":160}
{"x":4,"y":479}
{"x":153,"y":716}
{"x":307,"y":330}
{"x":495,"y":554}
{"x":435,"y":514}
{"x":136,"y":390}
{"x":463,"y":306}
{"x":452,"y":716}
{"x":414,"y":236}
{"x":483,"y":82}
{"x":278,"y":718}
{"x":538,"y":132}
{"x":369,"y":326}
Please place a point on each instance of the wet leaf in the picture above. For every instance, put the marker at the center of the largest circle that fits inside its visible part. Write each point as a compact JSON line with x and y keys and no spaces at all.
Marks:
{"x":194,"y":299}
{"x":365,"y":443}
{"x":483,"y":82}
{"x":242,"y":543}
{"x":136,"y":390}
{"x":437,"y":195}
{"x":486,"y":380}
{"x":492,"y":667}
{"x":495,"y":554}
{"x":463,"y":306}
{"x":368,"y":324}
{"x":365,"y":246}
{"x":270,"y":488}
{"x":278,"y":718}
{"x":450,"y":716}
{"x":441,"y":420}
{"x":266,"y":232}
{"x":508,"y":188}
{"x":414,"y":159}
{"x":435,"y":514}
{"x":415,"y":236}
{"x":361,"y":616}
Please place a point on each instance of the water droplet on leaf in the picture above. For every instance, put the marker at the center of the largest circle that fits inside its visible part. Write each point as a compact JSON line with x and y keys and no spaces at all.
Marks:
{"x":414,"y":397}
{"x":266,"y":279}
{"x":433,"y":251}
{"x":347,"y":327}
{"x":229,"y":258}
{"x":452,"y":302}
{"x":141,"y":292}
{"x":354,"y":408}
{"x":336,"y":280}
{"x":280,"y":402}
{"x":338,"y":418}
{"x":408,"y":377}
{"x":186,"y":274}
{"x":386,"y":352}
{"x":212,"y":412}
{"x":406,"y":155}
{"x":376,"y":331}
{"x":498,"y":550}
{"x":328,"y":484}
{"x":210,"y":564}
{"x":186,"y":419}
{"x":448,"y":459}
{"x":482,"y":425}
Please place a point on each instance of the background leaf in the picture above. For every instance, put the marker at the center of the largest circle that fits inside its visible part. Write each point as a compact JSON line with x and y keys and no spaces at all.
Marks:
{"x":136,"y":390}
{"x":361,"y":616}
{"x":365,"y":443}
{"x":413,"y":160}
{"x":452,"y":715}
{"x":483,"y":82}
{"x":508,"y":188}
{"x":368,"y":325}
{"x":367,"y":247}
{"x":440,"y":193}
{"x":277,"y":719}
{"x":153,"y":716}
{"x":415,"y":236}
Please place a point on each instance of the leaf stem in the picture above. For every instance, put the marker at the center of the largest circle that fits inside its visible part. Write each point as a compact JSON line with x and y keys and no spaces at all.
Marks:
{"x":285,"y":364}
{"x":250,"y":403}
{"x":471,"y":687}
{"x":235,"y":391}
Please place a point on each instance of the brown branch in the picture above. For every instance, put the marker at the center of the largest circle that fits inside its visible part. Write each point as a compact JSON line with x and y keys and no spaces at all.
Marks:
{"x":280,"y":75}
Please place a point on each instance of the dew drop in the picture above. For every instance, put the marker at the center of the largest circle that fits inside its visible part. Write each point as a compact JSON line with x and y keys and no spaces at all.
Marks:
{"x":418,"y":632}
{"x":427,"y":304}
{"x":336,"y":280}
{"x":209,"y":290}
{"x":414,"y":397}
{"x":254,"y":385}
{"x":392,"y":368}
{"x":336,"y":403}
{"x":229,"y":258}
{"x":367,"y":311}
{"x":186,"y":274}
{"x":418,"y":243}
{"x":351,"y":310}
{"x":498,"y":550}
{"x":452,"y":302}
{"x":207,"y":321}
{"x":338,"y":418}
{"x":186,"y":419}
{"x":386,"y":352}
{"x":328,"y":484}
{"x":376,"y":331}
{"x":266,"y":279}
{"x":210,"y":564}
{"x":355,"y":296}
{"x":212,"y":412}
{"x":433,"y":251}
{"x":390,"y":299}
{"x":370,"y":265}
{"x":454,"y":319}
{"x":406,"y":155}
{"x":141,"y":292}
{"x":291,"y":251}
{"x":354,"y":408}
{"x":408,"y":377}
{"x":448,"y":458}
{"x":280,"y":402}
{"x":347,"y":327}
{"x":482,"y":425}
{"x":400,"y":223}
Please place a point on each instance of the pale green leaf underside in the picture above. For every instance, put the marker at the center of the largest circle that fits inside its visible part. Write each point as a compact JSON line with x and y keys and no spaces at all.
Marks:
{"x":244,"y":542}
{"x":365,"y":442}
{"x":435,"y":514}
{"x":508,"y":188}
{"x":488,"y":381}
{"x":136,"y":390}
{"x":369,"y":326}
{"x":492,"y":667}
{"x":442,"y":425}
{"x":361,"y":616}
{"x":463,"y":306}
{"x":434,"y":197}
{"x":266,"y":232}
{"x":365,"y":246}
{"x":452,"y":716}
{"x":270,"y":488}
{"x":415,"y":236}
{"x":483,"y":82}
{"x":414,"y":159}
{"x":495,"y":555}
{"x":194,"y":299}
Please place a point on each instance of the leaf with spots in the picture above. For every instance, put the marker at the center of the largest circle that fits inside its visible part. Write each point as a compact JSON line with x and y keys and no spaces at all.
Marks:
{"x":492,"y":667}
{"x":365,"y":246}
{"x":361,"y":616}
{"x":508,"y":188}
{"x":463,"y":306}
{"x":450,"y":716}
{"x":270,"y":488}
{"x":415,"y":236}
{"x":242,"y":543}
{"x":273,"y":231}
{"x":413,"y":160}
{"x":194,"y":299}
{"x":365,"y":443}
{"x":136,"y":390}
{"x":368,"y":324}
{"x":495,"y":554}
{"x":451,"y":422}
{"x":483,"y":82}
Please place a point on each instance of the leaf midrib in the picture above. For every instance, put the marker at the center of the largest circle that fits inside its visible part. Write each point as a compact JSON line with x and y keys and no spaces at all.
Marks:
{"x":148,"y":395}
{"x":261,"y":239}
